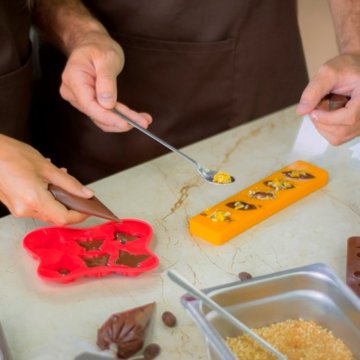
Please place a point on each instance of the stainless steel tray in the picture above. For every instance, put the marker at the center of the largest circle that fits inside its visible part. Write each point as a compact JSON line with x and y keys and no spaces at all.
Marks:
{"x":312,"y":292}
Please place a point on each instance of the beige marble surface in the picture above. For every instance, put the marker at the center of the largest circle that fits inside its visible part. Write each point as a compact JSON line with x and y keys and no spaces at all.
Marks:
{"x":43,"y":320}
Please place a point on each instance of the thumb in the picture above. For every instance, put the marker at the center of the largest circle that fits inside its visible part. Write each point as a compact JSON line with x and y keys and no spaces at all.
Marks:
{"x":106,"y":87}
{"x":310,"y":99}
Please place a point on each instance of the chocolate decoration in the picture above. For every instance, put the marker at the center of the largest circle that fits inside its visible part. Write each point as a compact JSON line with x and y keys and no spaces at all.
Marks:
{"x":262,"y":195}
{"x":89,"y":245}
{"x":131,"y":260}
{"x":353,"y":264}
{"x":126,"y":330}
{"x":332,"y":102}
{"x":101,"y":260}
{"x":92,"y":206}
{"x":241,"y":205}
{"x":279,"y":184}
{"x":298,"y":174}
{"x":219,"y":216}
{"x":123,"y":237}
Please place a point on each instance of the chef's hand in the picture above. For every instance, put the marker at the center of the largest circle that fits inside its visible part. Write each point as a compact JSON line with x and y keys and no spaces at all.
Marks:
{"x":25,"y":175}
{"x":89,"y":82}
{"x":340,"y":75}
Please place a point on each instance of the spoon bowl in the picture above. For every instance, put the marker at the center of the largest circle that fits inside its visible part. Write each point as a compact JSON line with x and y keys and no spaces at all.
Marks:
{"x":207,"y":174}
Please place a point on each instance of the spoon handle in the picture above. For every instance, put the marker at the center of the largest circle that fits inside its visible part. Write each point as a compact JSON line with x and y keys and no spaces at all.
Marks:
{"x":178,"y":279}
{"x":148,"y":133}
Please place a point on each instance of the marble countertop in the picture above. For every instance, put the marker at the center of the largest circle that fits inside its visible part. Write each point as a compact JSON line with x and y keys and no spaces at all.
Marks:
{"x":44,"y":320}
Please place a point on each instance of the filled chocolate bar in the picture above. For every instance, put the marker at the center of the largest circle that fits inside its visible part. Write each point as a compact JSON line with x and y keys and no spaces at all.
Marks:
{"x":221,"y":222}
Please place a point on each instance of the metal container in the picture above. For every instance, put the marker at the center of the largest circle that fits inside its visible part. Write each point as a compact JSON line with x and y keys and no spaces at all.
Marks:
{"x":312,"y":292}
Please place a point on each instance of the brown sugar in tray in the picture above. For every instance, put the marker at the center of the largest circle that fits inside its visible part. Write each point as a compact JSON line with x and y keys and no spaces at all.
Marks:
{"x":297,"y":339}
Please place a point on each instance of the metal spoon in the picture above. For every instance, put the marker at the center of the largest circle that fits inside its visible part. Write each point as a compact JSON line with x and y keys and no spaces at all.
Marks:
{"x":178,"y":279}
{"x":207,"y":174}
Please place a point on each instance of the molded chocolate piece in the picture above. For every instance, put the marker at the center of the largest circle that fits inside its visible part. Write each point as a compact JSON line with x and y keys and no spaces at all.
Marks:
{"x":298,"y":174}
{"x":92,"y":206}
{"x":89,"y":245}
{"x":126,"y":330}
{"x":262,"y":195}
{"x":125,"y":258}
{"x":241,"y":205}
{"x":279,"y":184}
{"x":123,"y":237}
{"x":332,"y":102}
{"x":353,"y":264}
{"x":93,"y":261}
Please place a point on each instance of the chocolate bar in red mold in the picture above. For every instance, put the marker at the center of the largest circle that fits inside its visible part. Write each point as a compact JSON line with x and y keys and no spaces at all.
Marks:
{"x":67,"y":253}
{"x":353,"y":264}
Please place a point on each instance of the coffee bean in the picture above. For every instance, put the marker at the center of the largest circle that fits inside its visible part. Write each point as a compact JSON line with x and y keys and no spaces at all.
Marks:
{"x":168,"y":318}
{"x":244,"y":276}
{"x":151,"y":351}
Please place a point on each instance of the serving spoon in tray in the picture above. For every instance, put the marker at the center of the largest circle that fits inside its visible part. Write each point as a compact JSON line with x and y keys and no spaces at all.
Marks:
{"x":209,"y":175}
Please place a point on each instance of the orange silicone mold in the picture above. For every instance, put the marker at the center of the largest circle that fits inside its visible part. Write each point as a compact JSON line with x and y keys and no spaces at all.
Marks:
{"x":66,"y":253}
{"x":221,"y":222}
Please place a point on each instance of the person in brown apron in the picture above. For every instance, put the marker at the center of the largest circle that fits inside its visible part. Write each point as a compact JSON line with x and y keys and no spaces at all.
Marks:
{"x":199,"y":68}
{"x":25,"y":173}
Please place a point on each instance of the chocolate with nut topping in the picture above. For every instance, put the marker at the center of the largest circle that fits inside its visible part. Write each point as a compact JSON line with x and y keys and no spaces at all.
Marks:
{"x":262,"y":195}
{"x":298,"y":174}
{"x":241,"y":205}
{"x":279,"y":184}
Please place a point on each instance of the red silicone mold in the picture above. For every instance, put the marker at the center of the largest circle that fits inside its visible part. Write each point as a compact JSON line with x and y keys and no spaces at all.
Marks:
{"x":66,"y":253}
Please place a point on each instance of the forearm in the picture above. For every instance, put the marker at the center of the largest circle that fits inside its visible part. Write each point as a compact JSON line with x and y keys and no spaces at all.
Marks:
{"x":346,"y":17}
{"x":64,"y":22}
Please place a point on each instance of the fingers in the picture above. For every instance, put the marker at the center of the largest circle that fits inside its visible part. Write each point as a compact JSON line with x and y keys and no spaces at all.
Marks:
{"x":106,"y":86}
{"x":340,"y":75}
{"x":52,"y":211}
{"x":61,"y":178}
{"x":341,"y":125}
{"x":89,"y":83}
{"x":39,"y":203}
{"x":317,"y":88}
{"x":82,"y":96}
{"x":143,"y":119}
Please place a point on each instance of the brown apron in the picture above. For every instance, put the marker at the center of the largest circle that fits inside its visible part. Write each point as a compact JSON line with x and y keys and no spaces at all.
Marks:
{"x":15,"y":68}
{"x":199,"y":67}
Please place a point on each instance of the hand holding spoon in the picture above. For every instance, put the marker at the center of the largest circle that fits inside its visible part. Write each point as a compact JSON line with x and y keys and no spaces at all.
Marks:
{"x":211,"y":176}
